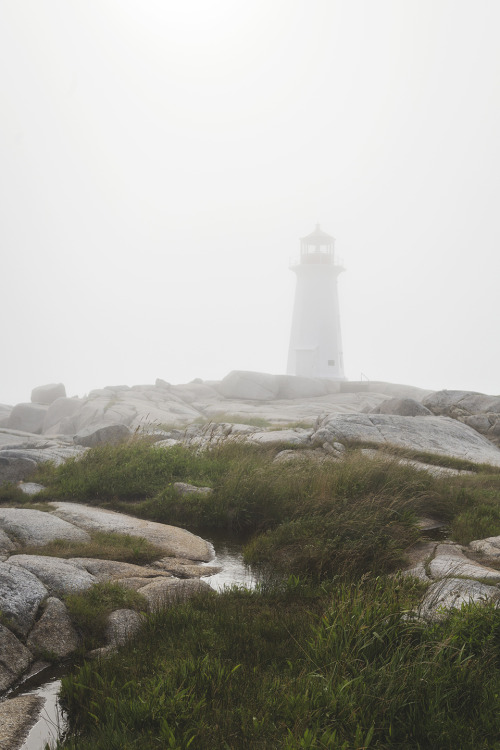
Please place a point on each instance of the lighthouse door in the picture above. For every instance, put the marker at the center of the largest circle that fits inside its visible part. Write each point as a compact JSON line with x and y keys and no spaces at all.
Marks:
{"x":306,"y":362}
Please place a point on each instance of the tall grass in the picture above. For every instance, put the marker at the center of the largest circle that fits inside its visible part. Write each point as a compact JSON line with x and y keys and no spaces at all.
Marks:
{"x":336,"y":666}
{"x":349,"y":517}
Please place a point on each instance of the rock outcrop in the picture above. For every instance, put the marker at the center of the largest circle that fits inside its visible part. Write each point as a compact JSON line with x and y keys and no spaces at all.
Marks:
{"x":47,"y":394}
{"x":479,"y":411}
{"x":440,"y":435}
{"x":35,"y":621}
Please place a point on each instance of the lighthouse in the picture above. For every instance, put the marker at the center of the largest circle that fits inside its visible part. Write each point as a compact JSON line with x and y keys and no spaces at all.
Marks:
{"x":315,"y":341}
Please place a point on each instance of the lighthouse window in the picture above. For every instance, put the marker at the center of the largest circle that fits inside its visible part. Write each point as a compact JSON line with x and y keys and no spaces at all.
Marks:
{"x":331,"y":363}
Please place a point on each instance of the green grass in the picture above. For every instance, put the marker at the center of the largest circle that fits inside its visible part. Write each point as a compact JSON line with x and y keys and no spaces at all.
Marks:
{"x":103,"y":545}
{"x":337,"y":666}
{"x":90,"y":609}
{"x":349,"y":517}
{"x":434,"y":459}
{"x":12,"y":495}
{"x":329,"y":659}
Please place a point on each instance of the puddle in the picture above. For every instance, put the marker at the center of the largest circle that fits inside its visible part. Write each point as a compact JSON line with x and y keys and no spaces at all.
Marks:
{"x":234,"y":571}
{"x":51,"y":722}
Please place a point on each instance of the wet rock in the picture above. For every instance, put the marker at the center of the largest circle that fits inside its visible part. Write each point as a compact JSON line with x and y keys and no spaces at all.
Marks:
{"x":36,"y":527}
{"x":452,"y":593}
{"x":54,"y":631}
{"x":21,"y":594}
{"x":17,"y":716}
{"x":111,"y":434}
{"x":47,"y":394}
{"x":58,"y":576}
{"x":175,"y":541}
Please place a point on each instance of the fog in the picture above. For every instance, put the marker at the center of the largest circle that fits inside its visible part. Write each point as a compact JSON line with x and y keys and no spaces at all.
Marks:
{"x":160,"y":160}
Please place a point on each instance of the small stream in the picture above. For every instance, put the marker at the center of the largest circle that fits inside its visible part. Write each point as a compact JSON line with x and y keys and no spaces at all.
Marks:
{"x":52,"y":723}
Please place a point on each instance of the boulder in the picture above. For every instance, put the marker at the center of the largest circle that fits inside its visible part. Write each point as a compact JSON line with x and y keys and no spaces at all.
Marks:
{"x":255,"y":386}
{"x":37,"y":528}
{"x":17,"y":716}
{"x":450,"y":561}
{"x":58,"y":414}
{"x":59,"y":576}
{"x":459,"y":403}
{"x":112,"y":434}
{"x":440,"y":435}
{"x":47,"y":394}
{"x":122,"y":625}
{"x":27,"y":418}
{"x":30,"y":488}
{"x":6,"y":544}
{"x":14,"y":469}
{"x":404,"y":407}
{"x":14,"y":659}
{"x":21,"y":593}
{"x":54,"y":631}
{"x":175,"y":541}
{"x":489,"y":546}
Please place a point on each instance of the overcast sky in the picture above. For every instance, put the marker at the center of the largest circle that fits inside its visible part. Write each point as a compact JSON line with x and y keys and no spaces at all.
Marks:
{"x":159,"y":160}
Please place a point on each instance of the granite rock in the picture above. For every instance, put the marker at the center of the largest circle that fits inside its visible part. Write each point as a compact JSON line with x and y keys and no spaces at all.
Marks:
{"x":15,"y":659}
{"x":21,"y":594}
{"x":37,"y":527}
{"x":27,"y":418}
{"x":175,"y":541}
{"x":54,"y":631}
{"x":59,"y":576}
{"x":111,"y":434}
{"x":47,"y":394}
{"x":17,"y":716}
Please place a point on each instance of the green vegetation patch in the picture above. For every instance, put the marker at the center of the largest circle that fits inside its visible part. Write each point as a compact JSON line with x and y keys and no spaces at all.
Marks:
{"x":90,"y":609}
{"x":333,"y":666}
{"x":12,"y":495}
{"x":346,"y":517}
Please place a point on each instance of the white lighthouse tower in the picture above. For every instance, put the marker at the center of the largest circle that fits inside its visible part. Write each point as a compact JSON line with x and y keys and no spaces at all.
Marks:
{"x":315,"y":341}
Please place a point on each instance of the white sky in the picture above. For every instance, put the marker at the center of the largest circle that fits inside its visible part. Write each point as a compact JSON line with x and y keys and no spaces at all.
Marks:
{"x":159,"y":160}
